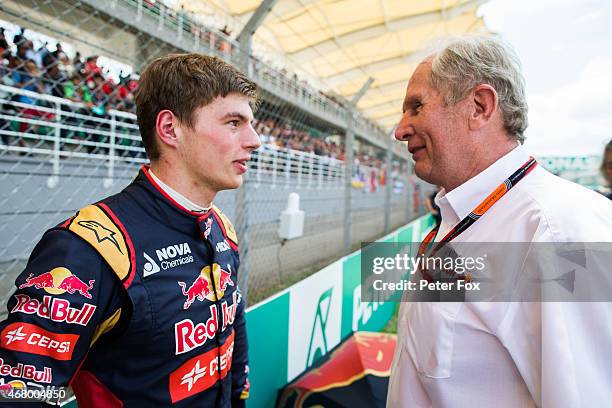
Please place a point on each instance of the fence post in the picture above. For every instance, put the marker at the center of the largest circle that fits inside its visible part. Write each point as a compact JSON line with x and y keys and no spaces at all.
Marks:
{"x":242,"y":230}
{"x":53,"y":180}
{"x":139,"y":10}
{"x":179,"y":26}
{"x":320,"y":162}
{"x":288,"y":159}
{"x":409,"y":192}
{"x":388,"y":186}
{"x":108,"y":182}
{"x":274,"y":167}
{"x":160,"y":21}
{"x":348,"y":174}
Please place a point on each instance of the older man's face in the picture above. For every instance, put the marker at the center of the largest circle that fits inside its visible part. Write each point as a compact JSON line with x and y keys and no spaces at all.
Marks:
{"x":436,"y":134}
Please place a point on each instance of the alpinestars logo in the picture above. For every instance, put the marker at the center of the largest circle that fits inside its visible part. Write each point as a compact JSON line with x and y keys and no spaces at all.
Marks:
{"x":167,"y":258}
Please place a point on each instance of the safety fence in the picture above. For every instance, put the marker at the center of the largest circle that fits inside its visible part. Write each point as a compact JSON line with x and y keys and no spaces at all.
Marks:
{"x":56,"y":157}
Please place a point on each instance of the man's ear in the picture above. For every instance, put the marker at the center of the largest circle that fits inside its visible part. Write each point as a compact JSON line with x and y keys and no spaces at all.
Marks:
{"x":166,"y":127}
{"x":484,"y":106}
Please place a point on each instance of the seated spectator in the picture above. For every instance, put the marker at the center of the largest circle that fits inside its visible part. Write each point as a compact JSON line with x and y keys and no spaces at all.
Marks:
{"x":4,"y":46}
{"x":28,"y":79}
{"x":53,"y":79}
{"x":65,"y":66}
{"x":77,"y":91}
{"x":78,"y":62}
{"x":91,"y":66}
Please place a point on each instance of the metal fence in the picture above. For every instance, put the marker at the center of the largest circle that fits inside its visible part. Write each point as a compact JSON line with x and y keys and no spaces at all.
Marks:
{"x":59,"y":153}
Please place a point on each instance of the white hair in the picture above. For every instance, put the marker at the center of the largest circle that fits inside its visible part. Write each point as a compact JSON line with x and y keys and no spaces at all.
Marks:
{"x":467,"y":61}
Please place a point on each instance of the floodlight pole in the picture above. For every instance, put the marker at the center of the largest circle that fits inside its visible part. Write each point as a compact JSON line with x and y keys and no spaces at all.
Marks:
{"x":348,"y":161}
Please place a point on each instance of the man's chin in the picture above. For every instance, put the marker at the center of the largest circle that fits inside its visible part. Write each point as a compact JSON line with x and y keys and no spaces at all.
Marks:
{"x":422,"y":173}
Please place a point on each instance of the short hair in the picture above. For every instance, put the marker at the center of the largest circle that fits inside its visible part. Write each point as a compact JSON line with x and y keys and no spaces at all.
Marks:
{"x":468,"y":61}
{"x":183,"y":83}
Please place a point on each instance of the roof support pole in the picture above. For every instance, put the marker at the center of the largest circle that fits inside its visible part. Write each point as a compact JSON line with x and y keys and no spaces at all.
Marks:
{"x":246,"y":35}
{"x":348,"y":162}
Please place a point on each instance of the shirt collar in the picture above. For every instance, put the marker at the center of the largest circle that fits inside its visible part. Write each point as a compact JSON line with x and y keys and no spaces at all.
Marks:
{"x":467,"y":196}
{"x":178,"y":197}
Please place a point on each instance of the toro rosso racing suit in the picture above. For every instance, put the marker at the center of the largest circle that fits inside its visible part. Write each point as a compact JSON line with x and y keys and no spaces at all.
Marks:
{"x":134,"y":303}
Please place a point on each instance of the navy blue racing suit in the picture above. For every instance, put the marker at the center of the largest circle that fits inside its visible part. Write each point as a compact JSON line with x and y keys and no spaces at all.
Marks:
{"x":134,"y":302}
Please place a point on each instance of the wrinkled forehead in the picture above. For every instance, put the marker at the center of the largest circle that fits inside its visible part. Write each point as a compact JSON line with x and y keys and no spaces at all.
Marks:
{"x":419,"y":84}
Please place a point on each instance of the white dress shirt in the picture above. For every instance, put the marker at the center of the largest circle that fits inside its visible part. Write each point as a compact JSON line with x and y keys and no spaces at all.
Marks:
{"x":504,"y":354}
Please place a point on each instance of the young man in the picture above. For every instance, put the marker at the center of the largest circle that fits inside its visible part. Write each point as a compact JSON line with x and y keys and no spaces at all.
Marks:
{"x":464,"y":115}
{"x":134,"y":301}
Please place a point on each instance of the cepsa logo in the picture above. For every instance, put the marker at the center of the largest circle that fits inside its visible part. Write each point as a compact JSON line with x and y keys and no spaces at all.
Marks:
{"x":57,"y":310}
{"x":29,"y":338}
{"x":58,"y":281}
{"x":201,"y":372}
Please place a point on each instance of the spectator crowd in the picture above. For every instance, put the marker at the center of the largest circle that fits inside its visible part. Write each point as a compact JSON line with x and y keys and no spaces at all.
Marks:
{"x":90,"y":86}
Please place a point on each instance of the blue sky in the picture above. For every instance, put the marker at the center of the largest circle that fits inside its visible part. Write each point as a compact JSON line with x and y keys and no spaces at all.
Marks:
{"x":566,"y":50}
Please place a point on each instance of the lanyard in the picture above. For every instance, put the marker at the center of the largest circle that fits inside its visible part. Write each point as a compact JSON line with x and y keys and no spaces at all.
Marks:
{"x":477,"y":212}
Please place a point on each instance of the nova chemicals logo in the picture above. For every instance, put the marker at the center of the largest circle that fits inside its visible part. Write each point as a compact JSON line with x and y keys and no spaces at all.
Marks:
{"x":167,"y":258}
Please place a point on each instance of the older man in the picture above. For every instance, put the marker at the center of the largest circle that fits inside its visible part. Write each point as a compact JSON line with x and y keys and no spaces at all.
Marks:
{"x":464,"y":115}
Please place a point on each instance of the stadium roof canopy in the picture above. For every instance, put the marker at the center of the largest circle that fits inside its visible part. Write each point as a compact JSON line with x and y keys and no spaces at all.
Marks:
{"x":344,"y":42}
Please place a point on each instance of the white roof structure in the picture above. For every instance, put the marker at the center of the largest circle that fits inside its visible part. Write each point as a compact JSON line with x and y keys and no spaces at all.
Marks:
{"x":344,"y":42}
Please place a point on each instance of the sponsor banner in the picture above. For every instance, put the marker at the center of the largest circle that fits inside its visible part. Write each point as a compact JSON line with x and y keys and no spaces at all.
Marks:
{"x":29,"y":338}
{"x":315,"y":314}
{"x":268,"y":354}
{"x":201,"y":372}
{"x":57,"y":310}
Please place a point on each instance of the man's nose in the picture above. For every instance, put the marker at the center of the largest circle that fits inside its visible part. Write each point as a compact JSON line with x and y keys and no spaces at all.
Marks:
{"x":252,"y":140}
{"x":404,"y":129}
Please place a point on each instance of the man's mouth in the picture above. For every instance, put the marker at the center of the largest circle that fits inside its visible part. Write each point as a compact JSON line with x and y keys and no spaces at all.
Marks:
{"x":416,"y":150}
{"x":241,"y":164}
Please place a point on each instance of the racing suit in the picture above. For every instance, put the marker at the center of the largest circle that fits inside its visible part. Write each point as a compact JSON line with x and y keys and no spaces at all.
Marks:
{"x":134,"y":303}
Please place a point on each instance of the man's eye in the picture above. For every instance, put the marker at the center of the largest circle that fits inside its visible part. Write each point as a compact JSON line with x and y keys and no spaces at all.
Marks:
{"x":233,"y":122}
{"x":417,"y":107}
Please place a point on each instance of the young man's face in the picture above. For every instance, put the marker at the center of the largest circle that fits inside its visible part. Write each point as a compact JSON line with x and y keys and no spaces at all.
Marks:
{"x":216,"y":150}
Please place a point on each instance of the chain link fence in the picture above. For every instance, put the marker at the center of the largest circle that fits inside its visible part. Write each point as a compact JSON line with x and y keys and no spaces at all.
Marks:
{"x":69,"y":137}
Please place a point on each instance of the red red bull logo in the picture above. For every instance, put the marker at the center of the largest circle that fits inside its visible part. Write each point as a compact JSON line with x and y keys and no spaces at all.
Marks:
{"x":225,"y":278}
{"x":26,"y":371}
{"x":58,"y":281}
{"x":199,"y":289}
{"x":57,"y":310}
{"x":202,"y":287}
{"x":189,"y":336}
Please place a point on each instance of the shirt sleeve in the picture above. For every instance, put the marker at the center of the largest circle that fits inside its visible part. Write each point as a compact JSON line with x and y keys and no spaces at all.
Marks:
{"x":64,"y":300}
{"x":240,"y":359}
